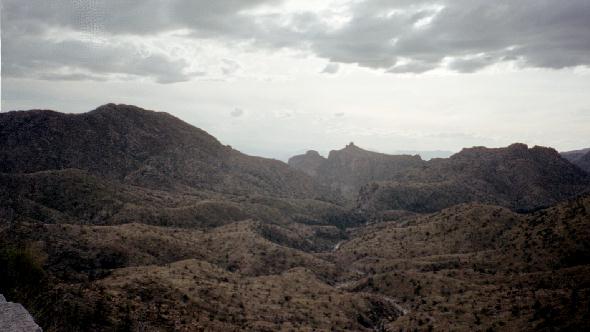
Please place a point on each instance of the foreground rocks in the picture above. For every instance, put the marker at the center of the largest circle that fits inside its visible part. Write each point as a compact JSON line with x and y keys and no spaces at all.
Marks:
{"x":15,"y":318}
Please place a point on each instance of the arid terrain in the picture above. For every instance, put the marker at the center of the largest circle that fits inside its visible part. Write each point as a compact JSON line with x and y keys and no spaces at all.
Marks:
{"x":123,"y":219}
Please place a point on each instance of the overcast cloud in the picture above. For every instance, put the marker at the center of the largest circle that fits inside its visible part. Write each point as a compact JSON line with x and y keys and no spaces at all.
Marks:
{"x":44,"y":38}
{"x":237,"y":42}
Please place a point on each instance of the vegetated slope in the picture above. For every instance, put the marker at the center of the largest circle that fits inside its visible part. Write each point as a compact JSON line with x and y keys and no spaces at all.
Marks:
{"x":468,"y":267}
{"x":352,"y":167}
{"x":152,"y":231}
{"x":144,"y":148}
{"x":136,"y":276}
{"x":479,"y":267}
{"x":581,"y":158}
{"x":516,"y":177}
{"x":78,"y":198}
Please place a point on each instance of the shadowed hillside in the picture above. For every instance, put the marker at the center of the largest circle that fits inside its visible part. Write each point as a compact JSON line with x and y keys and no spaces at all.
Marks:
{"x":516,"y":177}
{"x":144,"y":148}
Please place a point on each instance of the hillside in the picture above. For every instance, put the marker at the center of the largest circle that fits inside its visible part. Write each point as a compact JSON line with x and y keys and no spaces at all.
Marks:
{"x":469,"y":267}
{"x":479,"y":267}
{"x":142,"y":148}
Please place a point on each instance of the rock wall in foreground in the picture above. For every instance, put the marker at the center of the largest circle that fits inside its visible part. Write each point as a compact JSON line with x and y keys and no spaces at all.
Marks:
{"x":15,"y":318}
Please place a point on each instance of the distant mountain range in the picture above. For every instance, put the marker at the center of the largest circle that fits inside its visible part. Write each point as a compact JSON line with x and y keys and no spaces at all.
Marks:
{"x":124,"y":219}
{"x":516,"y":177}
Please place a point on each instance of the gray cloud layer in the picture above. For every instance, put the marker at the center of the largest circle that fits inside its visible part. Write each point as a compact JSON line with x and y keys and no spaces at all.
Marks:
{"x":395,"y":36}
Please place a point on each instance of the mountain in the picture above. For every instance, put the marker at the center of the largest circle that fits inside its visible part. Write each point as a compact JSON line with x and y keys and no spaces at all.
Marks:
{"x":121,"y":164}
{"x":143,"y":148}
{"x":348,"y":169}
{"x":581,"y":158}
{"x":123,"y":219}
{"x":516,"y":177}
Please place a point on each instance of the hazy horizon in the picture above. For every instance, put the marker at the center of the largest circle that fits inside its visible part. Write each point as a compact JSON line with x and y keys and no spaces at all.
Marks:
{"x":284,"y":155}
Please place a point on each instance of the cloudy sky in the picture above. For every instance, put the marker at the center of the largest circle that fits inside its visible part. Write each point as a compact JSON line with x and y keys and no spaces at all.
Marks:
{"x":273,"y":77}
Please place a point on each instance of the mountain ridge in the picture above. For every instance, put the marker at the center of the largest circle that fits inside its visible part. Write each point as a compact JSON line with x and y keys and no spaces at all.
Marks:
{"x":140,"y":147}
{"x":515,"y":176}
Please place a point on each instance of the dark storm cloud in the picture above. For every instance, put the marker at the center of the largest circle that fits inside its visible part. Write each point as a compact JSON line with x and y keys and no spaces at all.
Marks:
{"x":396,"y":36}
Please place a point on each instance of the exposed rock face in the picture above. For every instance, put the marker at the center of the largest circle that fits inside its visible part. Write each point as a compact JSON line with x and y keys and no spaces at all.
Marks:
{"x":15,"y":318}
{"x":581,"y":158}
{"x":352,"y":167}
{"x":515,"y":177}
{"x":139,"y":147}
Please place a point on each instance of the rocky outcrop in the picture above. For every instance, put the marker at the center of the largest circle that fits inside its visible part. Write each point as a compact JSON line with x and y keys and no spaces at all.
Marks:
{"x":15,"y":318}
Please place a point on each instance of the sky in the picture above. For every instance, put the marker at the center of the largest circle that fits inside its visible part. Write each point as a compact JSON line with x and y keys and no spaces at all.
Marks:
{"x":276,"y":78}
